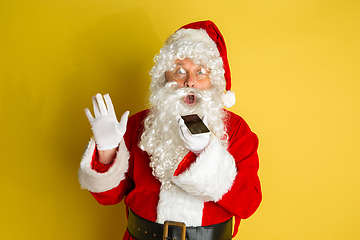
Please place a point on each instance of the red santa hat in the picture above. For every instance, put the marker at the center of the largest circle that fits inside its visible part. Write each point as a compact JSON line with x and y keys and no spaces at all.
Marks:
{"x":212,"y":37}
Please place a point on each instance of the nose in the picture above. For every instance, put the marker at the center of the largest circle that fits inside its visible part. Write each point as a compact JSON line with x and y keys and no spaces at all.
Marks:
{"x":190,"y":81}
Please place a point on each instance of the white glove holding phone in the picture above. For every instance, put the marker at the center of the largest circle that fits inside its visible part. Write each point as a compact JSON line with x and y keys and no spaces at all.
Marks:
{"x":108,"y":132}
{"x":195,"y":143}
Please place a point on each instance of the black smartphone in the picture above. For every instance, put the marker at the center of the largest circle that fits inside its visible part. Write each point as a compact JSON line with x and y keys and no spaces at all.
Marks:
{"x":195,"y":125}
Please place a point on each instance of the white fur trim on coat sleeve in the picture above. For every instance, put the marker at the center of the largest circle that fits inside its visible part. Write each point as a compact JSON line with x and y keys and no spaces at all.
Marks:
{"x":101,"y":182}
{"x":211,"y":175}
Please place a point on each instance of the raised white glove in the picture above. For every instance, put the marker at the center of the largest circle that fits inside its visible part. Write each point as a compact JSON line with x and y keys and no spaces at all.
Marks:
{"x":195,"y":143}
{"x":108,"y":132}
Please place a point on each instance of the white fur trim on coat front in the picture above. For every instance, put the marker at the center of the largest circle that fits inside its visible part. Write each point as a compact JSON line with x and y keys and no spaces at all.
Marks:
{"x":177,"y":205}
{"x":100,"y":182}
{"x":211,"y":175}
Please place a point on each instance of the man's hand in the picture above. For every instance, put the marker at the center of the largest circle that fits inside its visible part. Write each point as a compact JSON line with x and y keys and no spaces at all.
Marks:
{"x":195,"y":143}
{"x":108,"y":132}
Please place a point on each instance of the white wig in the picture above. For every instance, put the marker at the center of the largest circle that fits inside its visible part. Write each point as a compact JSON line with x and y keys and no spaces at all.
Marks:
{"x":194,"y":44}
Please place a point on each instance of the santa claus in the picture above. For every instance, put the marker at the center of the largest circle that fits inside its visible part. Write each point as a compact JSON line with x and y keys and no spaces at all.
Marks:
{"x":165,"y":173}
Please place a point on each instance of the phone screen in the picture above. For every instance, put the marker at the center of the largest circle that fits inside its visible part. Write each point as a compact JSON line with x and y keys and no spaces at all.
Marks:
{"x":195,"y":124}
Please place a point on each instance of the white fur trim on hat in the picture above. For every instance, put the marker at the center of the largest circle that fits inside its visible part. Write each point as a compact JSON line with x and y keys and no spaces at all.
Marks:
{"x":99,"y":182}
{"x":192,"y":35}
{"x":228,"y":99}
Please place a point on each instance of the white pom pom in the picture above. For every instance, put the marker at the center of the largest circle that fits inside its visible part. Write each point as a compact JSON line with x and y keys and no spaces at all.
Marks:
{"x":228,"y":99}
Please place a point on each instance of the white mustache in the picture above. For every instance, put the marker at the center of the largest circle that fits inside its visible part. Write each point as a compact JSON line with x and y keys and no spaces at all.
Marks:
{"x":181,"y":92}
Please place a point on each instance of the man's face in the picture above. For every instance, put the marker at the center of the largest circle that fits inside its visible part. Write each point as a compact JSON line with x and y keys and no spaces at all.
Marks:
{"x":189,"y":74}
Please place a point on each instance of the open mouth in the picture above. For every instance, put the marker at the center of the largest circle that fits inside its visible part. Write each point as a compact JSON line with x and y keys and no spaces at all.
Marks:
{"x":190,"y":99}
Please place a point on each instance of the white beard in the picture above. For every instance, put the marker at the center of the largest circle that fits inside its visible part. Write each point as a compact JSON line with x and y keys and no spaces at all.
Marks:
{"x":160,"y":138}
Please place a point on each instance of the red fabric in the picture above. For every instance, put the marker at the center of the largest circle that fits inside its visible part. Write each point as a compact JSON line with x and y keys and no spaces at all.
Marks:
{"x":215,"y":34}
{"x":185,"y":163}
{"x":97,"y":165}
{"x":236,"y":226}
{"x":141,"y":189}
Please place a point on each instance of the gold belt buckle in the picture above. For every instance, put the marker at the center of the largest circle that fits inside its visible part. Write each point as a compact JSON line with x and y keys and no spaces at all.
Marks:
{"x":179,"y":224}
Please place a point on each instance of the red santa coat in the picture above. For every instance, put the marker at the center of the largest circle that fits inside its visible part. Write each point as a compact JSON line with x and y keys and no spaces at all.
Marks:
{"x":209,"y":189}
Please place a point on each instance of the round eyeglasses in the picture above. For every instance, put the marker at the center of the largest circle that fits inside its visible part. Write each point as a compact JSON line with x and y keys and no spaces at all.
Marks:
{"x":179,"y":73}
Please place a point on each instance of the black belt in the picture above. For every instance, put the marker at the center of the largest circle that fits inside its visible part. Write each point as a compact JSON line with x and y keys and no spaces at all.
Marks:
{"x":142,"y":229}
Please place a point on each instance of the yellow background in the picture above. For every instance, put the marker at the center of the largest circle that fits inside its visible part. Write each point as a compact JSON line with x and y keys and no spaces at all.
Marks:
{"x":296,"y":72}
